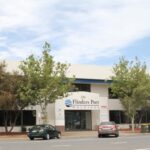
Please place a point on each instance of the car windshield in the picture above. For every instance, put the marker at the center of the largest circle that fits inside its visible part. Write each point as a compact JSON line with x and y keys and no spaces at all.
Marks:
{"x":107,"y":123}
{"x":38,"y":127}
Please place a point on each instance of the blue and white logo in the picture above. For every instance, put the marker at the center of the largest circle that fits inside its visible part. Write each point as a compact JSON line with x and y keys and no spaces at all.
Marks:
{"x":68,"y":103}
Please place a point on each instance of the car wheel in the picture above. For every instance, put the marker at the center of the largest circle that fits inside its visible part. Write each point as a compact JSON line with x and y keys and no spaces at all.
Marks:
{"x":47,"y":137}
{"x":58,"y":136}
{"x":99,"y":135}
{"x":31,"y":138}
{"x":116,"y":135}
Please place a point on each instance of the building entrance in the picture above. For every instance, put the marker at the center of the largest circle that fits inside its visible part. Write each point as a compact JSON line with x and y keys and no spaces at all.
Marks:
{"x":78,"y":120}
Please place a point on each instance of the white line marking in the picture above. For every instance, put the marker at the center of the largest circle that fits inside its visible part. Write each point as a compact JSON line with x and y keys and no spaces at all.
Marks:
{"x":123,"y":142}
{"x":61,"y":145}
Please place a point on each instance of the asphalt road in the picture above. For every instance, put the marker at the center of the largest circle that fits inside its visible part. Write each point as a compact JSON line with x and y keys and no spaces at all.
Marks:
{"x":140,"y":142}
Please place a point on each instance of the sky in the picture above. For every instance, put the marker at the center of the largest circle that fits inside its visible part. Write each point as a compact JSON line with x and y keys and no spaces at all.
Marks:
{"x":95,"y":32}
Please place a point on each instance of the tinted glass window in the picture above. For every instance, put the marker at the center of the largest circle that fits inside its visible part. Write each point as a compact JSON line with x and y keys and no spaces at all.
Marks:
{"x":25,"y":117}
{"x":82,"y":87}
{"x":111,"y":94}
{"x":118,"y":117}
{"x":107,"y":123}
{"x":52,"y":128}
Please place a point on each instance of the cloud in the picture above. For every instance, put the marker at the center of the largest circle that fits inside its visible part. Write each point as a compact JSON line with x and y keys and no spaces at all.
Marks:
{"x":103,"y":31}
{"x":79,"y":31}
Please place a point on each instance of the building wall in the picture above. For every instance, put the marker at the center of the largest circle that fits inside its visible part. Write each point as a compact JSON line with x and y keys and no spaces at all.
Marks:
{"x":101,"y":89}
{"x":115,"y":104}
{"x":95,"y":119}
{"x":83,"y":101}
{"x":51,"y":114}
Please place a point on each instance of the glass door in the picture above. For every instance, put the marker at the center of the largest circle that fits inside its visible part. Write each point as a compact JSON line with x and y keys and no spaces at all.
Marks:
{"x":78,"y":120}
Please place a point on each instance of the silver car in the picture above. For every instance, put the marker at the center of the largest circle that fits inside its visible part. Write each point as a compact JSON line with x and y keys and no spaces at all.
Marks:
{"x":108,"y":128}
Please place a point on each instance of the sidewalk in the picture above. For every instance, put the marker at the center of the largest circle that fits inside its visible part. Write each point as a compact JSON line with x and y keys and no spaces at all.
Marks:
{"x":70,"y":134}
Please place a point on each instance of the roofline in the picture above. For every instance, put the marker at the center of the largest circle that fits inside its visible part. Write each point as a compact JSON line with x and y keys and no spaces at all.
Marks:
{"x":90,"y":81}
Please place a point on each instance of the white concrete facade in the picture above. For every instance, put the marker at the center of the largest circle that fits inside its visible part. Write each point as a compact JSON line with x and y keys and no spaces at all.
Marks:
{"x":82,"y":101}
{"x":56,"y":112}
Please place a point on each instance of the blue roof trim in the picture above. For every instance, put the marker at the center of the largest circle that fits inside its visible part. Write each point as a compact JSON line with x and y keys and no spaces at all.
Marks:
{"x":89,"y":81}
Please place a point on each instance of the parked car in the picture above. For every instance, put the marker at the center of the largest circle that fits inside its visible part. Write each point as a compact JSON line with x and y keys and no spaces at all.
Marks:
{"x":108,"y":128}
{"x":44,"y":131}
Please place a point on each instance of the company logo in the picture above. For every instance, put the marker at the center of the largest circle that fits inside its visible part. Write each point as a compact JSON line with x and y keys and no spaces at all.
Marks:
{"x":68,"y":103}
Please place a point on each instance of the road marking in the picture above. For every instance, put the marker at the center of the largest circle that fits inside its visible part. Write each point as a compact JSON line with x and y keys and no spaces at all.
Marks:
{"x":61,"y":145}
{"x":123,"y":142}
{"x":143,"y":149}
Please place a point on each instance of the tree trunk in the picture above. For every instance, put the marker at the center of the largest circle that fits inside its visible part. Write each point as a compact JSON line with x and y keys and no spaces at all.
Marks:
{"x":132,"y":123}
{"x":44,"y":116}
{"x":12,"y":123}
{"x":21,"y":113}
{"x":44,"y":113}
{"x":5,"y":121}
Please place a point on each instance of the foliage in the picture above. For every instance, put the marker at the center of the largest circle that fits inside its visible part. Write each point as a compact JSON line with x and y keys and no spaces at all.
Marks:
{"x":9,"y":84}
{"x":131,"y":83}
{"x":44,"y":80}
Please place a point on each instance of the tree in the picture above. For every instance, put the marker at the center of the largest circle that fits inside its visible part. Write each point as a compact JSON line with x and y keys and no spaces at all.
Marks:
{"x":45,"y":80}
{"x":9,"y":84}
{"x":131,"y":83}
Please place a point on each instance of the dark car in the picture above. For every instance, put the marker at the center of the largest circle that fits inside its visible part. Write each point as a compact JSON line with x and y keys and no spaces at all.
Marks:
{"x":44,"y":131}
{"x":108,"y":128}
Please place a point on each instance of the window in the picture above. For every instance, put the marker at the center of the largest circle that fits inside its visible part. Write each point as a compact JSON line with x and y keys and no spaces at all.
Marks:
{"x":118,"y":116}
{"x":82,"y":87}
{"x":142,"y":116}
{"x":111,"y":94}
{"x":121,"y":118}
{"x":29,"y":117}
{"x":51,"y":128}
{"x":78,"y":120}
{"x":26,"y":117}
